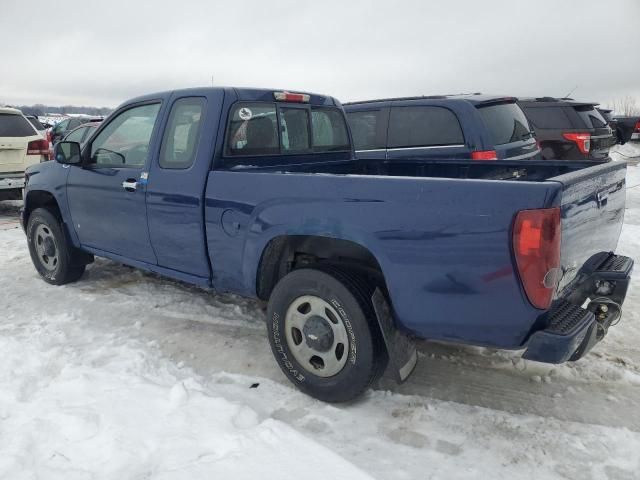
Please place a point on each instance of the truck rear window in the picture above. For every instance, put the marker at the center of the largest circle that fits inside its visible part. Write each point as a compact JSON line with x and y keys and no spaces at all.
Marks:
{"x":12,"y":125}
{"x":506,"y":123}
{"x":253,"y":129}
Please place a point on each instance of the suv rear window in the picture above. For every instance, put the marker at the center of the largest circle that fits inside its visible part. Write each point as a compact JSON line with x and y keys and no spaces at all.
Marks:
{"x":423,"y":127}
{"x":12,"y":125}
{"x":253,"y":129}
{"x":548,"y":117}
{"x":591,"y":117}
{"x":506,"y":123}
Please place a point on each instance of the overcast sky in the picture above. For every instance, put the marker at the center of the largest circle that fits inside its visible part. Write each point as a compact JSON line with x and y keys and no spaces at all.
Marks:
{"x":101,"y":53}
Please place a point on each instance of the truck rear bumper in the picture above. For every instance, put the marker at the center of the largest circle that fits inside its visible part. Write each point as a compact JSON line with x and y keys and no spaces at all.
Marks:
{"x":570,"y":330}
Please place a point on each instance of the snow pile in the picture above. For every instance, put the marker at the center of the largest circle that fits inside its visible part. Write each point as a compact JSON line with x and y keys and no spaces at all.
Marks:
{"x":630,"y":150}
{"x":76,"y":404}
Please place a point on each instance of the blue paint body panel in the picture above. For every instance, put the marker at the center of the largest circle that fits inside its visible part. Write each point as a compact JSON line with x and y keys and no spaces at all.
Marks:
{"x":443,"y":244}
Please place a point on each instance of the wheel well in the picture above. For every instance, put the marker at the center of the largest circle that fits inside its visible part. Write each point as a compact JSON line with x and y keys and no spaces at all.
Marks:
{"x":286,"y":253}
{"x":40,"y":199}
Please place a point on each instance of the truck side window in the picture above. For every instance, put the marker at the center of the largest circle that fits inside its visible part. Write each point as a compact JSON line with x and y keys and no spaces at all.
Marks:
{"x":182,"y":134}
{"x":364,"y":128}
{"x":253,"y":130}
{"x":124,"y":142}
{"x":423,"y":127}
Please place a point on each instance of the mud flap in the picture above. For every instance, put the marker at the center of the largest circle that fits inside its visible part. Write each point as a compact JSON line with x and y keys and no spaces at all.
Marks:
{"x":401,"y":348}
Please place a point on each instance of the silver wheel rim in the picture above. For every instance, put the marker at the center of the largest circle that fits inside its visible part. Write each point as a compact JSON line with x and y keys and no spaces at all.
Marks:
{"x":316,"y":336}
{"x":46,"y":248}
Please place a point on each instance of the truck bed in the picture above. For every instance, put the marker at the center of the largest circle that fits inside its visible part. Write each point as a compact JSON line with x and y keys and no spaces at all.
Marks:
{"x":441,"y":233}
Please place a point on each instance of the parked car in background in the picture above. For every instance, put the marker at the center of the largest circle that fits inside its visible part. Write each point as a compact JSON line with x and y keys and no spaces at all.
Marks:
{"x":82,"y":133}
{"x":42,"y":130}
{"x":20,"y":146}
{"x":446,"y":127}
{"x":258,"y":192}
{"x":629,"y":126}
{"x":569,"y":130}
{"x":65,"y":126}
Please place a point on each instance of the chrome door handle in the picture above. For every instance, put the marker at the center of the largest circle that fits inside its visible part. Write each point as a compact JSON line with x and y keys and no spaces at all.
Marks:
{"x":130,"y":185}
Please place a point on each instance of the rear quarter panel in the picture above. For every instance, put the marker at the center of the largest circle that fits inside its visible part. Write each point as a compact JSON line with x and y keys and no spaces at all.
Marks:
{"x":444,"y":245}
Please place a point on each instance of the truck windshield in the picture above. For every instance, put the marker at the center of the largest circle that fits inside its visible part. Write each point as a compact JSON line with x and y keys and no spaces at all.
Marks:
{"x":273,"y":129}
{"x":506,"y":123}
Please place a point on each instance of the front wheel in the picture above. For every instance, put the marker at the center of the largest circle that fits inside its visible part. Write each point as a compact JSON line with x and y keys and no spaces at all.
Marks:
{"x":323,"y":333}
{"x":52,"y":255}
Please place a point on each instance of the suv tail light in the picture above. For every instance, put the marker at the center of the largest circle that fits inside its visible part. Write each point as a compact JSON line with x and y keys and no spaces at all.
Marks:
{"x":291,"y":97}
{"x":484,"y":155}
{"x":38,"y":147}
{"x":637,"y":129}
{"x":582,"y":140}
{"x":536,"y":246}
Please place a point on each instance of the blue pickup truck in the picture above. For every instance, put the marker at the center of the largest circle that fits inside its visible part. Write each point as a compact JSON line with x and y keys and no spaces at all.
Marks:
{"x":259,"y":193}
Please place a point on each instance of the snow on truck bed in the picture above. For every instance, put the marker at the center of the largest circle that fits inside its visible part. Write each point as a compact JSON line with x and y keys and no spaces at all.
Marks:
{"x":127,"y":375}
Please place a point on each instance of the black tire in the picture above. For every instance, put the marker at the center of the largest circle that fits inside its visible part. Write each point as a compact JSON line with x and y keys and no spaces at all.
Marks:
{"x":350,"y":294}
{"x":67,"y":265}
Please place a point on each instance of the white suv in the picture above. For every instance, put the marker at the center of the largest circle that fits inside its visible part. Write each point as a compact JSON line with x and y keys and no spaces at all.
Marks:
{"x":20,"y":146}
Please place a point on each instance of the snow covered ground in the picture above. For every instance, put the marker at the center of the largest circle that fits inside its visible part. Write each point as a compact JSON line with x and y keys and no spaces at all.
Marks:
{"x":125,"y":375}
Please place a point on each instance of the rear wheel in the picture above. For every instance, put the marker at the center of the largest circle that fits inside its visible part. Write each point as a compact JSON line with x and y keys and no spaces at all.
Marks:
{"x":55,"y":259}
{"x":323,"y":332}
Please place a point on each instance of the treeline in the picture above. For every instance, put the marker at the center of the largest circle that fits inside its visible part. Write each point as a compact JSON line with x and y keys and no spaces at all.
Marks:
{"x":42,"y":110}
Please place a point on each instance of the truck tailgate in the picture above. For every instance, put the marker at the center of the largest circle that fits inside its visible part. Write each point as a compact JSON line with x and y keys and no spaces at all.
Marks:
{"x":593,"y":202}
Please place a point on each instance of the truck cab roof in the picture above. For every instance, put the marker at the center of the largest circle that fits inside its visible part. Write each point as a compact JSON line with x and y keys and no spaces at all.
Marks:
{"x":242,"y":93}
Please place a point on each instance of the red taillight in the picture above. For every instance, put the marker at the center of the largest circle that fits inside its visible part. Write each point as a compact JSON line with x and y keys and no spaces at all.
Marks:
{"x":291,"y":97}
{"x":38,"y":147}
{"x":582,"y":140}
{"x":484,"y":155}
{"x":637,"y":129}
{"x":536,"y":245}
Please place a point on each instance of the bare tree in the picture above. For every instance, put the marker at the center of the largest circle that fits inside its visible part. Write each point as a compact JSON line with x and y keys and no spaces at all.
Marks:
{"x":625,"y":106}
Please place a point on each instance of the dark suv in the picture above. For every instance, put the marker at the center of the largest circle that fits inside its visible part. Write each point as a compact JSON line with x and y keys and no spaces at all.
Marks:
{"x":448,"y":127}
{"x":569,"y":130}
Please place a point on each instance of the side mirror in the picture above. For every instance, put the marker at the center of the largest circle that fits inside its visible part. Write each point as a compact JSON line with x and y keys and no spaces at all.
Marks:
{"x":67,"y":153}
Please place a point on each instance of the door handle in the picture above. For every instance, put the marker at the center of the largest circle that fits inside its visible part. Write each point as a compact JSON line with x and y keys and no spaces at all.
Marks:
{"x":130,"y":185}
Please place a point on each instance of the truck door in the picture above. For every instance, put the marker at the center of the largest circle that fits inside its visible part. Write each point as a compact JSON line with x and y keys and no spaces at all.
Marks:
{"x":107,"y":196}
{"x":177,"y":180}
